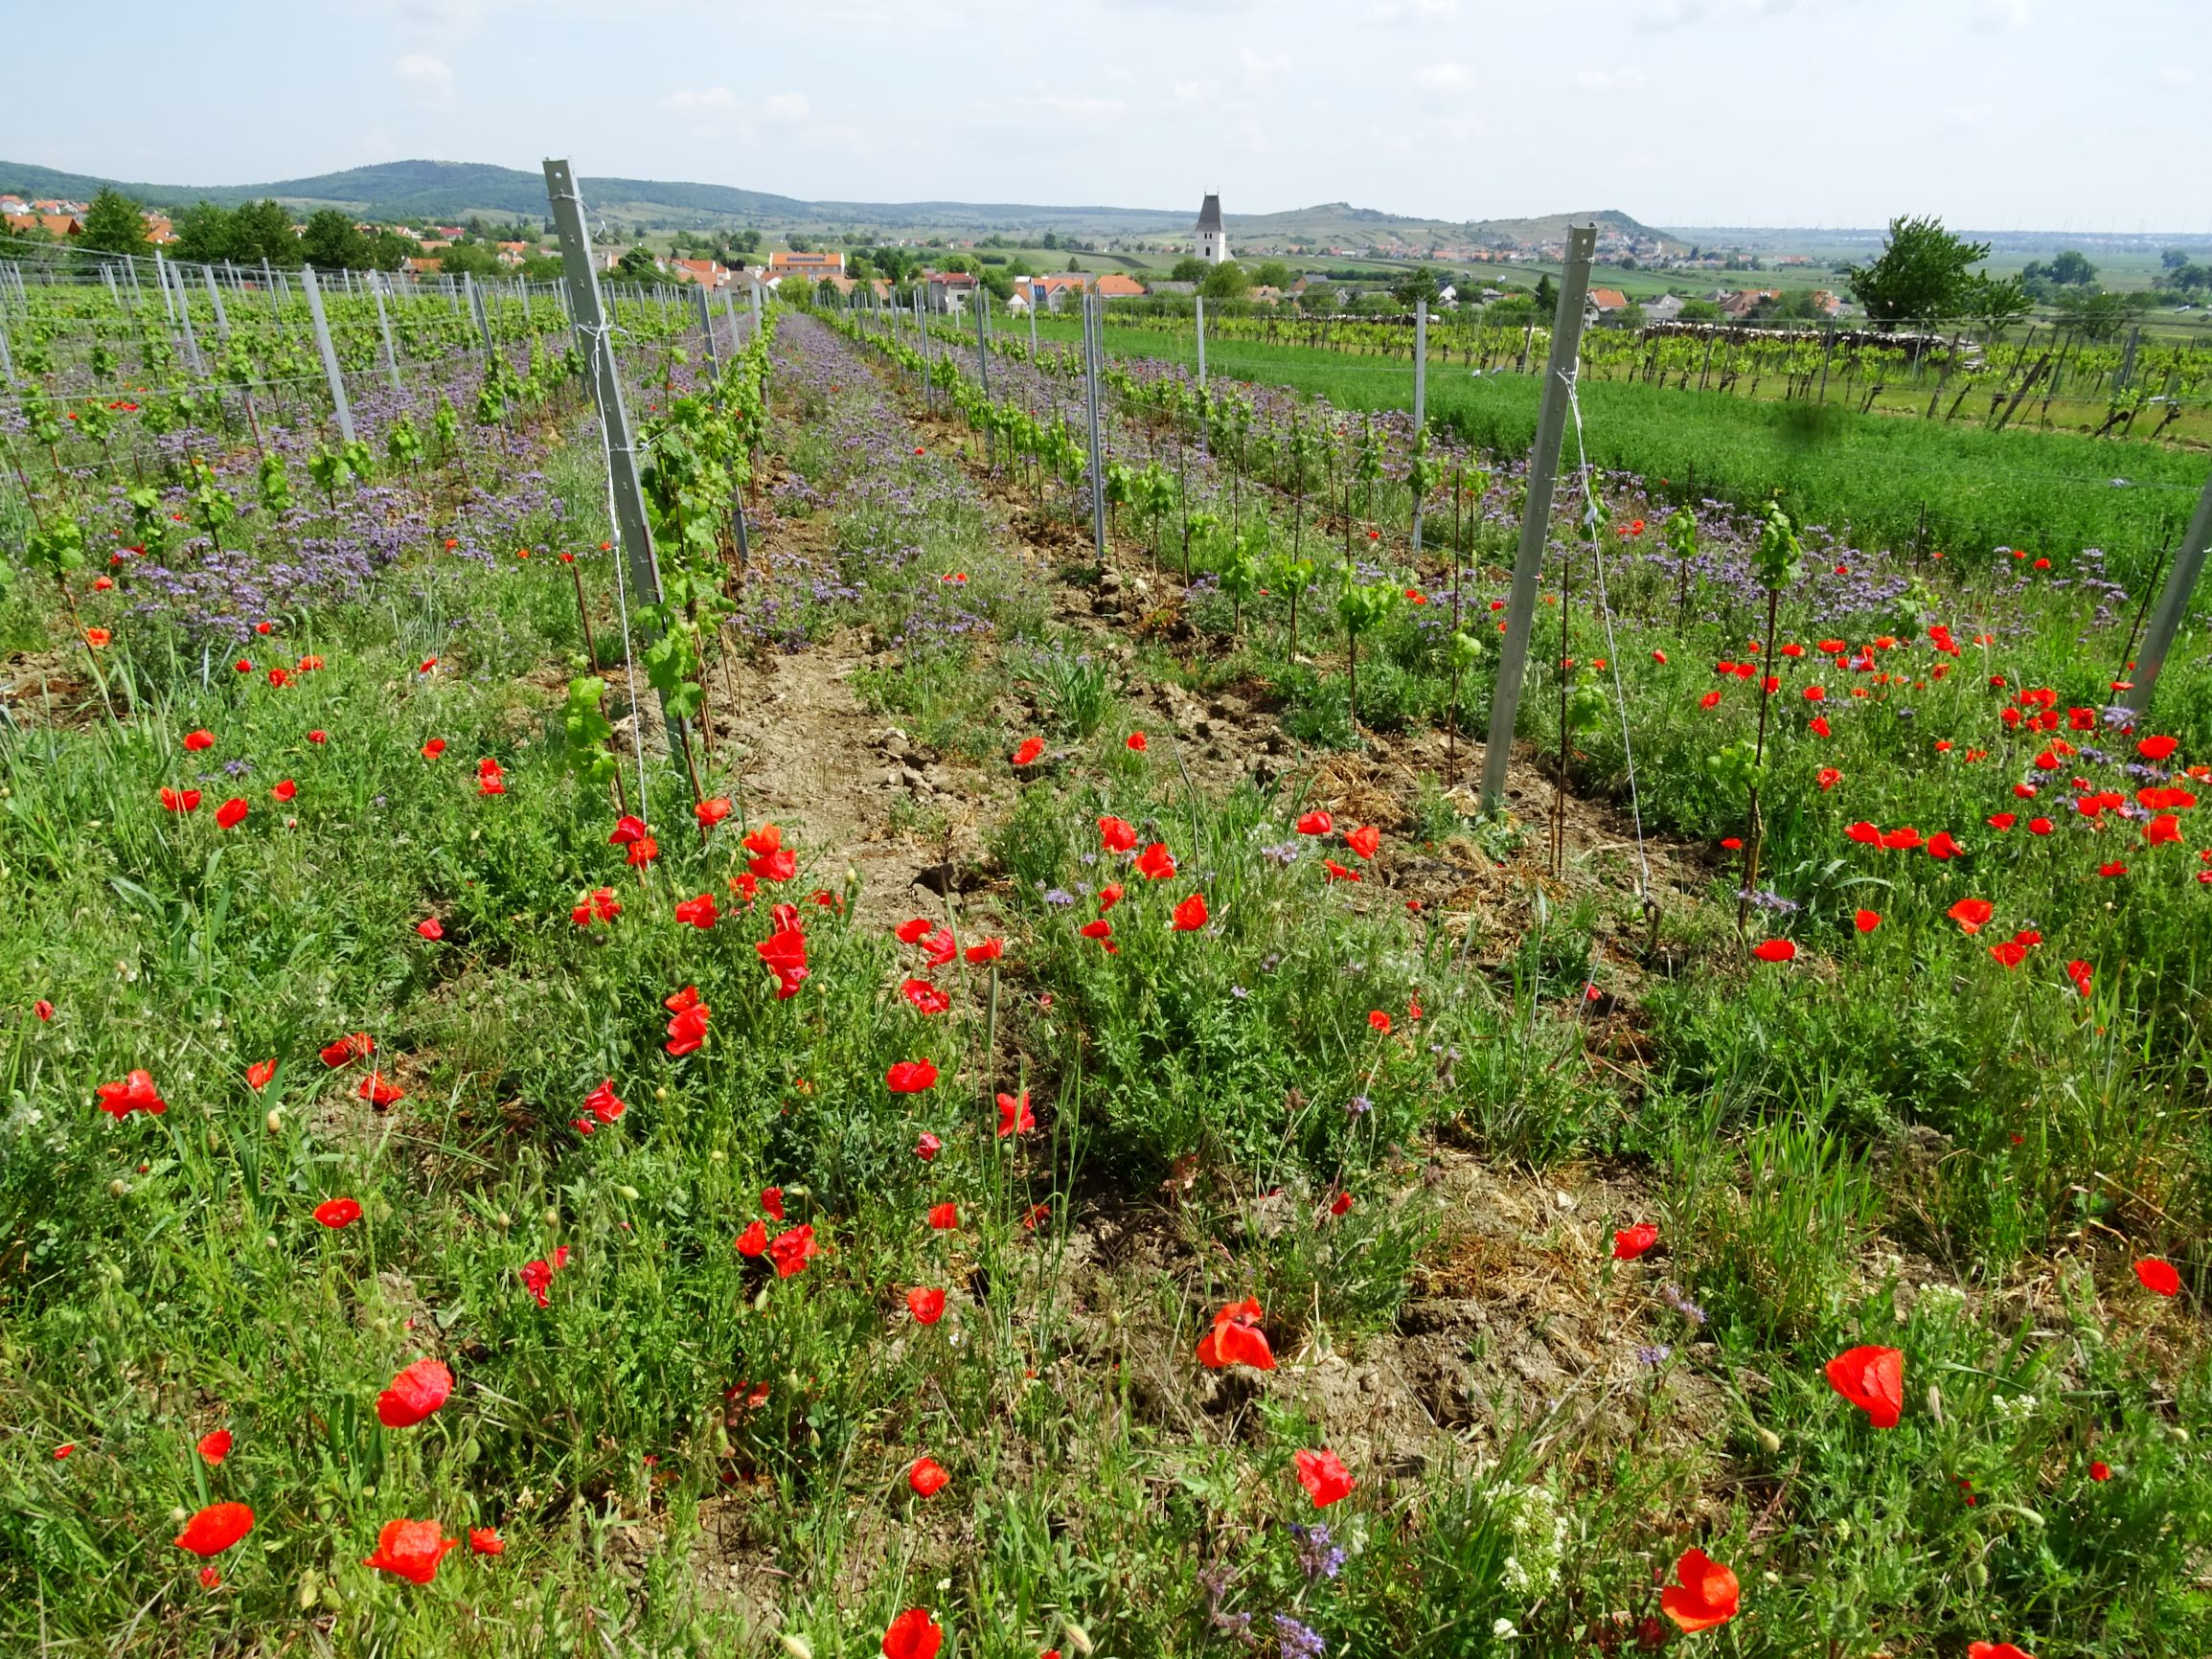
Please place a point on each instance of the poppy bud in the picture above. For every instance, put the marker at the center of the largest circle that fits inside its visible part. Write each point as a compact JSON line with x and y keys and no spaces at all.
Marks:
{"x":1978,"y":1573}
{"x":552,"y":1216}
{"x":796,"y":1645}
{"x":275,"y":1121}
{"x":629,"y":1193}
{"x":1077,"y":1636}
{"x":116,"y":1188}
{"x":311,"y":1584}
{"x":1770,"y":1441}
{"x":504,"y":1219}
{"x":1935,"y":1403}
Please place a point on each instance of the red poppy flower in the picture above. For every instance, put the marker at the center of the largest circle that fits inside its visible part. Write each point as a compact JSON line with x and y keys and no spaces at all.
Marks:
{"x":1332,"y":870}
{"x":700,"y":912}
{"x":1364,"y":840}
{"x":135,"y":1093}
{"x":378,"y":1093}
{"x":1866,"y":921}
{"x":210,"y":1578}
{"x":687,"y":1021}
{"x":604,"y":1103}
{"x":434,"y":748}
{"x":600,"y":904}
{"x":711,"y":812}
{"x":910,"y":1076}
{"x":914,"y":930}
{"x":943,"y":1218}
{"x":1137,"y":742}
{"x":914,"y":1635}
{"x":416,"y":1391}
{"x":1191,"y":915}
{"x":2164,"y":827}
{"x":2080,"y":972}
{"x":1828,"y":778}
{"x":410,"y":1549}
{"x":1705,"y":1595}
{"x":792,"y":1250}
{"x":1316,"y":824}
{"x":1995,"y":1650}
{"x":484,"y":1541}
{"x":2010,"y":952}
{"x":490,"y":780}
{"x":285,"y":789}
{"x":1324,"y":1476}
{"x":1631,"y":1242}
{"x":1118,"y":834}
{"x":1775,"y":950}
{"x":337,"y":1213}
{"x":1379,"y":1020}
{"x":2158,"y":1275}
{"x":1971,"y":914}
{"x":1864,"y":833}
{"x":537,"y":1276}
{"x":1940,"y":845}
{"x":926,"y":1305}
{"x":216,"y":1528}
{"x":43,"y":1009}
{"x":988,"y":950}
{"x":203,"y":738}
{"x":627,"y":828}
{"x":2100,"y":1472}
{"x":2156,"y":748}
{"x":2003,"y":820}
{"x":1873,"y":1379}
{"x":431,"y":928}
{"x":1155,"y":862}
{"x":753,"y":1240}
{"x":1026,"y":753}
{"x":1100,"y":929}
{"x":214,"y":1446}
{"x":1236,"y":1340}
{"x":1014,"y":1118}
{"x":772,"y":1202}
{"x":927,"y":1148}
{"x":1341,"y":1204}
{"x":778,"y":865}
{"x":927,"y":1476}
{"x":231,"y":813}
{"x":1903,"y":839}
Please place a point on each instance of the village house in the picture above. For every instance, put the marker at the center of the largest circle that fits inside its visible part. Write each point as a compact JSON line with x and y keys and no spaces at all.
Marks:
{"x":783,"y":262}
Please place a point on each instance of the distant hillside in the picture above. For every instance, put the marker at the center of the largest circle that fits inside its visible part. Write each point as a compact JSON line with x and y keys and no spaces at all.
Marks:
{"x":452,"y":189}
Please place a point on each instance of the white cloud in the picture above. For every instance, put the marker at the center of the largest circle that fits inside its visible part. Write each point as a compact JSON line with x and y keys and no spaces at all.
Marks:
{"x":1072,"y":106}
{"x":1969,"y":114}
{"x":429,"y":75}
{"x":2176,"y":74}
{"x":790,"y":106}
{"x":1443,"y":76}
{"x":1624,"y":80}
{"x":705,"y":100}
{"x":1412,"y":10}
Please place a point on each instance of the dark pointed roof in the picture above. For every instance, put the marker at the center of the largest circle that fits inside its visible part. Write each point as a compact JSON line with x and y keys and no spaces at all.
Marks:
{"x":1210,"y":215}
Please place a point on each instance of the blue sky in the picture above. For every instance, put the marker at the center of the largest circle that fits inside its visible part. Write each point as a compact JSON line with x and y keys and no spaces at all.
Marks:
{"x":1997,"y":114}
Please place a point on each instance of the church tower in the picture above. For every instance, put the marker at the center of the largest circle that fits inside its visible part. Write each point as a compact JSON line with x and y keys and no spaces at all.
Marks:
{"x":1213,"y":239}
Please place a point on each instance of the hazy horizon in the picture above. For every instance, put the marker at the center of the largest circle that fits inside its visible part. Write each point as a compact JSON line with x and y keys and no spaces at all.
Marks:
{"x":1997,"y":115}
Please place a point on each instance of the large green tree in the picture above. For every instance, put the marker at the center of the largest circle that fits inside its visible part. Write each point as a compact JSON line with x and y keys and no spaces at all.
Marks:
{"x":1923,"y":273}
{"x":263,"y":230}
{"x":1190,"y":268}
{"x":115,"y":224}
{"x":1417,"y":284}
{"x":331,"y":243}
{"x":1227,"y":280}
{"x":206,"y":234}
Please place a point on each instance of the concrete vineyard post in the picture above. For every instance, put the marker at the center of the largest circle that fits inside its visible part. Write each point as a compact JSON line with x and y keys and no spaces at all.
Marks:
{"x":1200,"y":304}
{"x":384,"y":327}
{"x":1536,"y":518}
{"x":707,"y":330}
{"x":1420,"y":397}
{"x":330,"y":355}
{"x":191,"y":339}
{"x":1093,"y":348}
{"x":161,"y":281}
{"x":983,"y":367}
{"x":921,"y":328}
{"x":1033,"y":325}
{"x":269,"y":282}
{"x":483,"y":319}
{"x":632,"y":525}
{"x":222,"y":321}
{"x":2172,"y":605}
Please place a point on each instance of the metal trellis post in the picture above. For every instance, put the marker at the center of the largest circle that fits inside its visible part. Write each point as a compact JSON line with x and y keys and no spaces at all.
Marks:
{"x":2172,"y":605}
{"x":1536,"y":518}
{"x":1201,"y":303}
{"x":1093,"y":347}
{"x":1420,"y":397}
{"x":384,"y":327}
{"x":222,"y":321}
{"x":605,"y":374}
{"x":330,"y":355}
